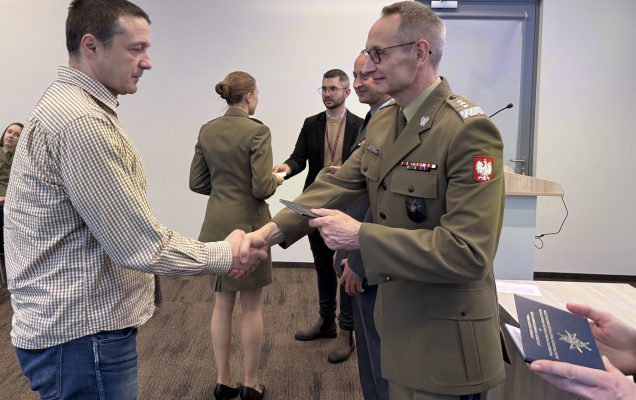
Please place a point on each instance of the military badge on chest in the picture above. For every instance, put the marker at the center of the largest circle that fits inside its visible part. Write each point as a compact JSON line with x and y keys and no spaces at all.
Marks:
{"x":415,"y":209}
{"x":483,"y":168}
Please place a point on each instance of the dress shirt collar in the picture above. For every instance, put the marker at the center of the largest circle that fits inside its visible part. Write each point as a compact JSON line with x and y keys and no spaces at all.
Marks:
{"x":96,"y":89}
{"x":411,"y":109}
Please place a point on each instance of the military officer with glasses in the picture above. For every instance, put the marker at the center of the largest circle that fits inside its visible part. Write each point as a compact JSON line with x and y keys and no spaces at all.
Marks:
{"x":325,"y":141}
{"x":432,"y":166}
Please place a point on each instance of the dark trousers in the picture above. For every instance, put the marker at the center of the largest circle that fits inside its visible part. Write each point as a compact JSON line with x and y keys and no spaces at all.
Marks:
{"x":374,"y":387}
{"x":328,"y":284}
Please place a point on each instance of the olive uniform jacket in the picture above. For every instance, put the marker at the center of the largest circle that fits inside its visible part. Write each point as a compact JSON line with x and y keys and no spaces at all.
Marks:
{"x":431,"y":248}
{"x":233,"y":165}
{"x":5,"y":170}
{"x":310,"y":145}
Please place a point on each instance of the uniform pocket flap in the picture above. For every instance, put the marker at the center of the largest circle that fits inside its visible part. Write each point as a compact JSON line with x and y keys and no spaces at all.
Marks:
{"x":464,"y":304}
{"x":414,"y":183}
{"x":370,"y":166}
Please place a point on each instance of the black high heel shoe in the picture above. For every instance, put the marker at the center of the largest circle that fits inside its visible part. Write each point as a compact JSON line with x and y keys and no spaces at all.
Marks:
{"x":224,"y":392}
{"x":248,"y":393}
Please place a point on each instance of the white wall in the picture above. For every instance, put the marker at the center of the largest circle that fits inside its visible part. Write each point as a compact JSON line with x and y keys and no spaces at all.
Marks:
{"x":584,"y":138}
{"x":286,"y":44}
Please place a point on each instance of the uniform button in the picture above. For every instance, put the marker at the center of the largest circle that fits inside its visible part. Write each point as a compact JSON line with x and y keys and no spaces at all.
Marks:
{"x":383,"y":186}
{"x":411,"y":189}
{"x":382,"y":215}
{"x":462,"y":312}
{"x":387,"y":279}
{"x":365,"y":168}
{"x":453,"y":97}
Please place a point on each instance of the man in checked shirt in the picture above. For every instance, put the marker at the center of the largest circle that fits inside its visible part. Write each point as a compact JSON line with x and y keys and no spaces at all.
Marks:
{"x":82,"y":243}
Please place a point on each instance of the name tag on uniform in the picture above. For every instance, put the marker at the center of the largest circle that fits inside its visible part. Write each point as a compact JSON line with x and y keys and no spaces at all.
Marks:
{"x":419,"y":166}
{"x":373,"y":149}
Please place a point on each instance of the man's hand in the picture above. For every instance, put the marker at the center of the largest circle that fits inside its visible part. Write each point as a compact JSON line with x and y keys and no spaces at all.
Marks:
{"x":587,"y":383}
{"x":332,"y":169}
{"x":279,"y":179}
{"x":247,"y":252}
{"x":351,"y":282}
{"x":262,"y":238}
{"x":282,"y":168}
{"x":338,"y":230}
{"x":615,"y":338}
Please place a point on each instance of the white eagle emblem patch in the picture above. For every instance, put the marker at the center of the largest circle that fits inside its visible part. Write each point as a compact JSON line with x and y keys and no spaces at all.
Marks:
{"x":482,"y":168}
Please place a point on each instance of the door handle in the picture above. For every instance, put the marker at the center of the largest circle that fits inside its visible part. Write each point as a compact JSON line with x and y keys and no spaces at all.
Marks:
{"x":521,"y":162}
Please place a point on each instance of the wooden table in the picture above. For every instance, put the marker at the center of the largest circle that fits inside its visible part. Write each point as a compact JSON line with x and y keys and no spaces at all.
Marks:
{"x":521,"y":383}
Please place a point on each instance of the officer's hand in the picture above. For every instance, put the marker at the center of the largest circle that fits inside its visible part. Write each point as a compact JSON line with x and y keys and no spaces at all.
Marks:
{"x":351,"y":282}
{"x":338,"y":230}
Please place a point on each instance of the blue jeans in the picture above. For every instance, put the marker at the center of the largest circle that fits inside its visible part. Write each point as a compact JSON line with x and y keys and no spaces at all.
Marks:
{"x":102,"y":366}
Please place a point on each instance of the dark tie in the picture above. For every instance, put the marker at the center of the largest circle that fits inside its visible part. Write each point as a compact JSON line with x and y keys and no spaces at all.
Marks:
{"x":366,"y":120}
{"x":401,"y":123}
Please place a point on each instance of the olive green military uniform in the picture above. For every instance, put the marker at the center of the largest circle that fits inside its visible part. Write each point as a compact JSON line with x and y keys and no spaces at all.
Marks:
{"x":6,"y":159}
{"x":233,"y":165}
{"x":437,"y":197}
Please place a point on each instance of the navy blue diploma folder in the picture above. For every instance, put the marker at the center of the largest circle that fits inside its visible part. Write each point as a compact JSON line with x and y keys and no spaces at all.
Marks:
{"x":549,"y":333}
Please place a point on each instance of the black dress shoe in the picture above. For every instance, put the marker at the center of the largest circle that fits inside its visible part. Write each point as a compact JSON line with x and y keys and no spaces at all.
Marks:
{"x":224,"y":392}
{"x":248,"y":393}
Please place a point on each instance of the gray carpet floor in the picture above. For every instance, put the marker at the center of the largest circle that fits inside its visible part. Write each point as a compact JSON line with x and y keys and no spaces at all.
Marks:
{"x":175,"y":353}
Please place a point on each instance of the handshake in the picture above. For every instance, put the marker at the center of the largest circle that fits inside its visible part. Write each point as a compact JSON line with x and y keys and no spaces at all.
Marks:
{"x":248,"y":250}
{"x":339,"y":231}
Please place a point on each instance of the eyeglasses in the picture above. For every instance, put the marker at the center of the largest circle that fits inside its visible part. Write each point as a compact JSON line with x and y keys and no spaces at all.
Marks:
{"x":375,"y":53}
{"x":329,"y":90}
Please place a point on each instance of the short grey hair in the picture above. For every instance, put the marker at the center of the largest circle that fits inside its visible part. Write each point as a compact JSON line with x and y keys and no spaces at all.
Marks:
{"x":419,"y":22}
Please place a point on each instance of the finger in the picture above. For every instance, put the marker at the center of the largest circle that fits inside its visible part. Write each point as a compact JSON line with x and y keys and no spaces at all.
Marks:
{"x":347,"y":289}
{"x":238,"y":233}
{"x":323,"y":212}
{"x":234,"y":273}
{"x":581,"y":391}
{"x":244,"y":249}
{"x":575,"y":373}
{"x":262,"y":254}
{"x":257,"y":241}
{"x":588,"y":311}
{"x":609,"y":367}
{"x":350,"y":288}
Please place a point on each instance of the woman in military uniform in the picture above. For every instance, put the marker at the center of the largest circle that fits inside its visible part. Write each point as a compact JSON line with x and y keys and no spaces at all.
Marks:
{"x":9,"y":141}
{"x":233,"y":165}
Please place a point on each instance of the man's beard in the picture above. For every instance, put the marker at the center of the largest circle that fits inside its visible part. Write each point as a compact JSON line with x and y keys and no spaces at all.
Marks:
{"x":335,"y":104}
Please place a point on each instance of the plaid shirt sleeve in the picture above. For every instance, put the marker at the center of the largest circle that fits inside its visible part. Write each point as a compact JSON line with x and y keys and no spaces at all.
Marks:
{"x":104,"y":180}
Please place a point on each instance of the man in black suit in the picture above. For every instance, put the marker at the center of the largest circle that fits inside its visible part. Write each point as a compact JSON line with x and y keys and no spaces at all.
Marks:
{"x":326,"y":140}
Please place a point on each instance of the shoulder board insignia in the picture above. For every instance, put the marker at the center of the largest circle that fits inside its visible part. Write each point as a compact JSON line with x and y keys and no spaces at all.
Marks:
{"x":464,"y":107}
{"x":471,"y":112}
